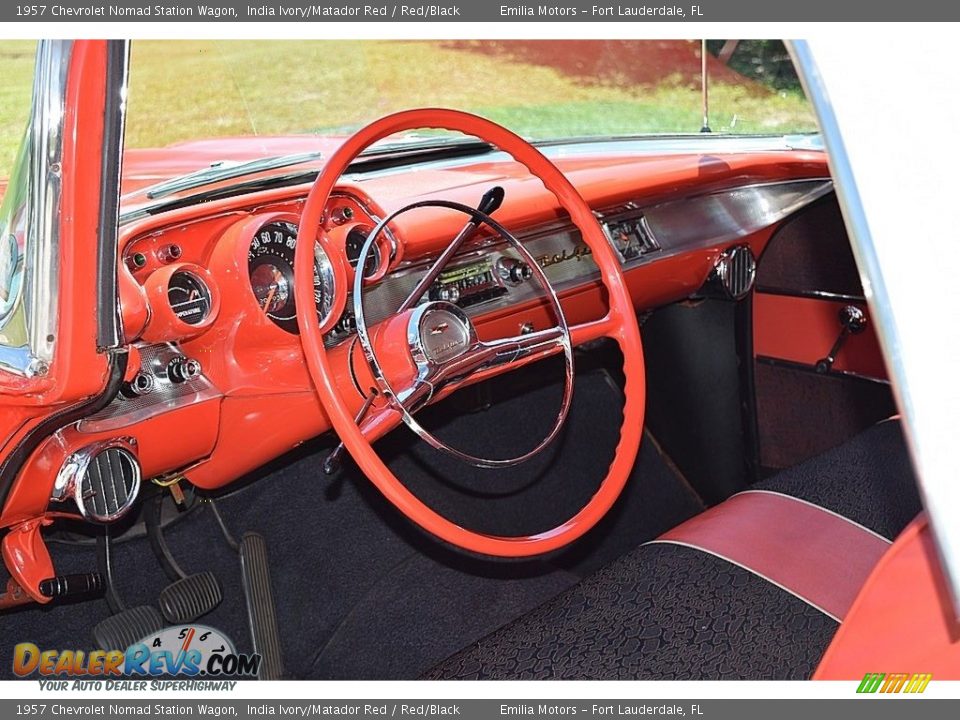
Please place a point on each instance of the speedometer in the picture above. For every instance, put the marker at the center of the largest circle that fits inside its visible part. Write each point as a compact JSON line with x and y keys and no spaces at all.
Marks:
{"x":270,"y":264}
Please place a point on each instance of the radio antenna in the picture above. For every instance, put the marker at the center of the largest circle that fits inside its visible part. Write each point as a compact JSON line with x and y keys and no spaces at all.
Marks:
{"x":705,"y":95}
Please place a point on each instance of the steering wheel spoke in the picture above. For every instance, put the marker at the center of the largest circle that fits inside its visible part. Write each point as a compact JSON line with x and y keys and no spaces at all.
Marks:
{"x":605,"y":327}
{"x":510,"y":350}
{"x":482,"y":359}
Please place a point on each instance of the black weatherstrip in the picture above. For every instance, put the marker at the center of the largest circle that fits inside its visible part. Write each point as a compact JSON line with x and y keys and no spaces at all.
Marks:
{"x":10,"y":467}
{"x":108,"y":307}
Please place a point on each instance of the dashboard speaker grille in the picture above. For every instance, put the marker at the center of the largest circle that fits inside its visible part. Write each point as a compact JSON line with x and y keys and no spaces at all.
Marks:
{"x":109,"y":485}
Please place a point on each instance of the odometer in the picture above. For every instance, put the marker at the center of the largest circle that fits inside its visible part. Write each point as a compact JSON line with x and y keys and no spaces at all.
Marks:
{"x":270,"y":264}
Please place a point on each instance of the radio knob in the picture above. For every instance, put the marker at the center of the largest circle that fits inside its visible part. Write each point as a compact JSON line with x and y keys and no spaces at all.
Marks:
{"x":513,"y":271}
{"x":449,"y":293}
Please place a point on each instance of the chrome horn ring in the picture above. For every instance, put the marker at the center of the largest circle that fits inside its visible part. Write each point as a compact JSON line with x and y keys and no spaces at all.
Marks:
{"x":434,"y":372}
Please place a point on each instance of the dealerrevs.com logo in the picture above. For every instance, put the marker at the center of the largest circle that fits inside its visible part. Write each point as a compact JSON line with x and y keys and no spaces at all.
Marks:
{"x":190,"y":651}
{"x":894,"y":683}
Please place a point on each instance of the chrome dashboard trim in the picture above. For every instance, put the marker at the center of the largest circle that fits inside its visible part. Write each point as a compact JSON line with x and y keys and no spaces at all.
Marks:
{"x":696,"y":222}
{"x":165,"y":396}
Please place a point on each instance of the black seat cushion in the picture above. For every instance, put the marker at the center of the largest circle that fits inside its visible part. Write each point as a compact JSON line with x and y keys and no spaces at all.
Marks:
{"x":671,"y":612}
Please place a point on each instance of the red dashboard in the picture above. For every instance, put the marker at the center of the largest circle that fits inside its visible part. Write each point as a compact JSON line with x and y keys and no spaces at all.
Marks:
{"x":218,"y":385}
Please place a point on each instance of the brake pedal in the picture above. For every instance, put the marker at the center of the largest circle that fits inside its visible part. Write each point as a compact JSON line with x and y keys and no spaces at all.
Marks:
{"x":120,"y":631}
{"x":190,"y":598}
{"x":261,"y":609}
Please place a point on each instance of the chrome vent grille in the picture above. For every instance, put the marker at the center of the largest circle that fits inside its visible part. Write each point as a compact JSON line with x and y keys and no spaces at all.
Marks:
{"x":110,"y":484}
{"x":735,"y":270}
{"x":103,"y":480}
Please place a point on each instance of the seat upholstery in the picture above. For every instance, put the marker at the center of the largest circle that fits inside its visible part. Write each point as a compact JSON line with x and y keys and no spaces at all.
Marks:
{"x":669,"y":611}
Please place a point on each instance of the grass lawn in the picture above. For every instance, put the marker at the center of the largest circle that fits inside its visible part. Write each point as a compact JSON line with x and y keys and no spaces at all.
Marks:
{"x":184,"y":90}
{"x":16,"y":71}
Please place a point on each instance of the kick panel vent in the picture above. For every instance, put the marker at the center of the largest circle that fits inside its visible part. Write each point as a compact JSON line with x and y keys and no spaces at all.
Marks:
{"x":108,"y":484}
{"x":735,"y":271}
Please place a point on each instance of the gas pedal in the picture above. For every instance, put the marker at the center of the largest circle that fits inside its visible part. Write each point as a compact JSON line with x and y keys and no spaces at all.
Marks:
{"x":190,"y":598}
{"x":120,"y":631}
{"x":261,"y":610}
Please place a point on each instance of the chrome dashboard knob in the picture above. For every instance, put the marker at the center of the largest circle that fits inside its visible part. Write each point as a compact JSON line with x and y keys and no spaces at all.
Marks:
{"x":142,"y":384}
{"x":513,"y":270}
{"x":449,"y":293}
{"x":182,"y":369}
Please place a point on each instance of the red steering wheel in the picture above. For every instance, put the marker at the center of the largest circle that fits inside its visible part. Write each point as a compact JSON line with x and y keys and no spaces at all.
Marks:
{"x":384,"y":411}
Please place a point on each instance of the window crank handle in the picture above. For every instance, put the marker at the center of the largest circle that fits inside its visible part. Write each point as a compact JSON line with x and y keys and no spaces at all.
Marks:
{"x":853,"y":321}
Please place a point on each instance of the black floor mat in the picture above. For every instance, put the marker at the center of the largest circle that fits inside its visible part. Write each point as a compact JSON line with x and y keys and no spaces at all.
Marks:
{"x":668,"y":612}
{"x":361,"y":592}
{"x":662,"y":612}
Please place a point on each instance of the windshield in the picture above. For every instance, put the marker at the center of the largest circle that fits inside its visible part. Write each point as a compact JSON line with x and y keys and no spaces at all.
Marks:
{"x":543,"y":90}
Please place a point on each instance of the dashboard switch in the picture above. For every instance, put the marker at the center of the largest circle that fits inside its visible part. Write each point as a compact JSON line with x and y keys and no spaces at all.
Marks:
{"x":182,"y":369}
{"x":449,"y":293}
{"x":141,"y":384}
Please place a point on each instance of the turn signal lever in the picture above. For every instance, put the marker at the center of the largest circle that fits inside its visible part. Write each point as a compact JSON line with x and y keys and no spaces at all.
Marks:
{"x":853,"y":321}
{"x":490,"y":202}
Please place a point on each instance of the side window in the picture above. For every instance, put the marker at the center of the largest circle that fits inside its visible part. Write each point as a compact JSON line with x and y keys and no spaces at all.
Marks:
{"x":17,"y":59}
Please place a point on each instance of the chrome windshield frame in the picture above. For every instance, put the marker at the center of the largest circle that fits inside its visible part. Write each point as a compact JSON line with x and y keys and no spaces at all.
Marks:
{"x":41,"y":272}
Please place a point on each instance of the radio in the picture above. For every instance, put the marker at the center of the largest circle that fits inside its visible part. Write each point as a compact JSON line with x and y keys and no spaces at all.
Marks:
{"x":468,"y":284}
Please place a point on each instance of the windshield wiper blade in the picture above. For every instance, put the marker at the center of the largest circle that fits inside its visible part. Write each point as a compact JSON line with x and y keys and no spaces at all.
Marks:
{"x":222,"y":171}
{"x":425,"y":145}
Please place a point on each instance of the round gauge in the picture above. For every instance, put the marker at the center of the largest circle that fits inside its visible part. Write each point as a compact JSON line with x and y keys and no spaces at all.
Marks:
{"x":189,"y":297}
{"x":270,"y":264}
{"x":355,"y":240}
